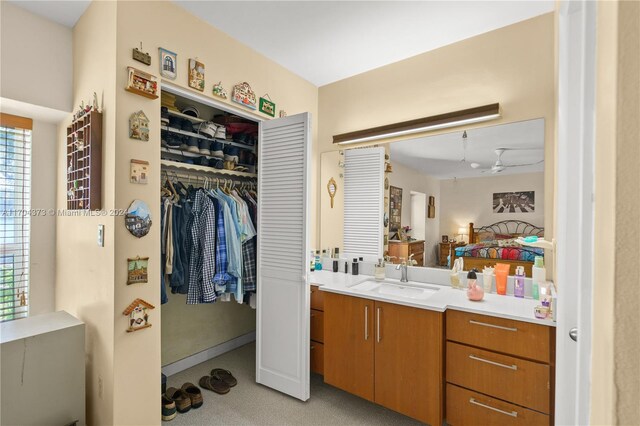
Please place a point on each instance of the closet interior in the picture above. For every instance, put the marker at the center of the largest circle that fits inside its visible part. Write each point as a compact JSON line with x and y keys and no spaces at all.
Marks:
{"x":208,"y":198}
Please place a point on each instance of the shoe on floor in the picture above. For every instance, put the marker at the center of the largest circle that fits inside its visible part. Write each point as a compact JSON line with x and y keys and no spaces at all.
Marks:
{"x":214,"y":384}
{"x":169,"y":411}
{"x":225,"y":376}
{"x":180,"y":397}
{"x":195,"y":395}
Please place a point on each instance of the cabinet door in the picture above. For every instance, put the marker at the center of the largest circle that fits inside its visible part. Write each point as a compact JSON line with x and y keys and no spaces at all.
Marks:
{"x":408,"y":361}
{"x":282,"y":324}
{"x":348,"y":344}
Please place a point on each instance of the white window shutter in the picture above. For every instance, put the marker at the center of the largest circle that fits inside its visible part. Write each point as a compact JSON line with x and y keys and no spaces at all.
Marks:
{"x":363,"y":202}
{"x":282,"y":334}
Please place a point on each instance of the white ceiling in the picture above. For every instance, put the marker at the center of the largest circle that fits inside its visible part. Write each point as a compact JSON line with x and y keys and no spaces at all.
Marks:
{"x":326,"y":41}
{"x":66,"y":13}
{"x":441,"y":156}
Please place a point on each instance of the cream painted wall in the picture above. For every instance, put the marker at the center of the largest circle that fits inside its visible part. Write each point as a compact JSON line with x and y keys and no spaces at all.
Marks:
{"x":615,"y":373}
{"x":471,"y":200}
{"x":169,"y":26}
{"x":84,"y":271}
{"x":513,"y":65}
{"x":29,"y":42}
{"x":331,"y":219}
{"x":411,"y":180}
{"x":43,"y":228}
{"x":627,"y":336}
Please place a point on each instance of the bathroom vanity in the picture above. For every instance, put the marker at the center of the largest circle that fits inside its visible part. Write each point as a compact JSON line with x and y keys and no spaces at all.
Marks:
{"x":428,"y":352}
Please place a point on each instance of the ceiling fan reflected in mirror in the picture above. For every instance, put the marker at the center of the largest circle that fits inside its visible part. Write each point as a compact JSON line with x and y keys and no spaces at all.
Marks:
{"x":499,"y":166}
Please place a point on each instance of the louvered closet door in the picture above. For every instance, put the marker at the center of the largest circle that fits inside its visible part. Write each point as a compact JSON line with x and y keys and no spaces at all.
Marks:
{"x":283,"y":247}
{"x":363,"y":202}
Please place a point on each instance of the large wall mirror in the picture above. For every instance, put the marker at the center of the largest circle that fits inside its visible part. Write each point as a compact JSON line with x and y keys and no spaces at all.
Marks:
{"x":434,"y":187}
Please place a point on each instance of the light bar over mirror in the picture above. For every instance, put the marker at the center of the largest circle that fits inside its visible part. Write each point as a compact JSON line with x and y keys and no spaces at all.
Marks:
{"x":434,"y":122}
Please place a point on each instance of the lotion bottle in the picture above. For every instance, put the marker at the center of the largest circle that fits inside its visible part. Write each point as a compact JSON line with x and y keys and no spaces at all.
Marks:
{"x":518,"y":288}
{"x":354,"y":266}
{"x":379,"y":270}
{"x":538,"y":276}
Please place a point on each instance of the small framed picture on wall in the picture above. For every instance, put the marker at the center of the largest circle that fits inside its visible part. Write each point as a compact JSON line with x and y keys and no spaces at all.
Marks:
{"x":445,"y":239}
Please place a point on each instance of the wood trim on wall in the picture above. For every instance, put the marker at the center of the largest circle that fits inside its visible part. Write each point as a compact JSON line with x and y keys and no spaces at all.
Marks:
{"x":8,"y":120}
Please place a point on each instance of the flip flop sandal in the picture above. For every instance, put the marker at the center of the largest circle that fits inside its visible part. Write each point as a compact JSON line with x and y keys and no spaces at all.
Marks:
{"x":180,"y":397}
{"x":194,"y":393}
{"x":214,"y":384}
{"x":225,"y":376}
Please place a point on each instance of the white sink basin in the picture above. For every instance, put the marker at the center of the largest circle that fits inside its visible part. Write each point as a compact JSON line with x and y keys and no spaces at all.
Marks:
{"x":397,"y":289}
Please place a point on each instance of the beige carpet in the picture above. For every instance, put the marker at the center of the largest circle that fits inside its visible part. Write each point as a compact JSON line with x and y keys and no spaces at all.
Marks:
{"x":249,"y":403}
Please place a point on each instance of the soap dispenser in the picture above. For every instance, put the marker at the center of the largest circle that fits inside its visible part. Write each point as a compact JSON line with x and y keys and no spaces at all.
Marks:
{"x":354,"y":266}
{"x":474,"y":291}
{"x":379,"y":270}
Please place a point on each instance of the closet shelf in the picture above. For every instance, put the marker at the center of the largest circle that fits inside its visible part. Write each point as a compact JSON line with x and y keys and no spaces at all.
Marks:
{"x":196,"y":135}
{"x":184,"y":153}
{"x":188,"y":117}
{"x":204,"y":169}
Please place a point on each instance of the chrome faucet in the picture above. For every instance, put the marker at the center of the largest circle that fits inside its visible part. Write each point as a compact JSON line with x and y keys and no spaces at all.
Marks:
{"x":403,"y":269}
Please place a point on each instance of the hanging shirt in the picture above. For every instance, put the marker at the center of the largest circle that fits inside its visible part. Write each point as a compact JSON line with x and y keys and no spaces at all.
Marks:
{"x":202,"y":262}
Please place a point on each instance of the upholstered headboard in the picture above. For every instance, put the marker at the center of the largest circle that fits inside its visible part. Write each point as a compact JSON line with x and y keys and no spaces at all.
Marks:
{"x":514,"y":228}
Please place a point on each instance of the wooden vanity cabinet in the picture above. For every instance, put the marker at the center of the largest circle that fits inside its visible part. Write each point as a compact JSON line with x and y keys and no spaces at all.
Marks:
{"x":316,"y":353}
{"x":386,"y":353}
{"x":499,"y":371}
{"x":349,"y":344}
{"x":408,"y":361}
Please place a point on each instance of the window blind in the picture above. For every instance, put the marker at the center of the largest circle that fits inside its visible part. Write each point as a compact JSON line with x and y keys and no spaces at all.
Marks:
{"x":15,"y":204}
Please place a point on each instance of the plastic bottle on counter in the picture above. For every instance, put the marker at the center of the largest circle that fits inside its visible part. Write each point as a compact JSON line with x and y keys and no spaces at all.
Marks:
{"x":318,"y":264}
{"x":354,"y":266}
{"x":538,"y":276}
{"x":518,"y":286}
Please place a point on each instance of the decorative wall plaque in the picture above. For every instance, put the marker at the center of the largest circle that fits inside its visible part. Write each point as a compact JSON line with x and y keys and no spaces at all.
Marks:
{"x":243,"y":95}
{"x":139,"y":171}
{"x":219,"y":91}
{"x":137,"y":270}
{"x":139,"y":126}
{"x":142,"y":83}
{"x":168,"y":64}
{"x":138,"y":316}
{"x":196,"y":75}
{"x":267,"y":106}
{"x":138,"y":218}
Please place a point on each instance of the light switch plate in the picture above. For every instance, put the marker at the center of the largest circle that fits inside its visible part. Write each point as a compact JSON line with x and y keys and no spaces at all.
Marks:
{"x":101,"y":235}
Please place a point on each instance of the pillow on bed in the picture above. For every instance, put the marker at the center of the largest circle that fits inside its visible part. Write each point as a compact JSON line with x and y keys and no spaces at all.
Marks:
{"x":486,"y":236}
{"x":511,"y":242}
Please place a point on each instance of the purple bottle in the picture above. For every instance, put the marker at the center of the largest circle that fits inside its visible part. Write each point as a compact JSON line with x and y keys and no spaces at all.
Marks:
{"x":518,"y":288}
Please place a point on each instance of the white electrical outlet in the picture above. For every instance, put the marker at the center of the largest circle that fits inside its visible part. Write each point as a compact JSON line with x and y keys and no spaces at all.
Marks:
{"x":101,"y":235}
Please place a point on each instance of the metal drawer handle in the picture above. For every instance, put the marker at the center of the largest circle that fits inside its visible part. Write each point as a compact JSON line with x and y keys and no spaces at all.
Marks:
{"x":312,"y":347}
{"x":493,"y":325}
{"x":512,"y":414}
{"x":366,"y":322}
{"x":378,"y":338}
{"x":510,"y":367}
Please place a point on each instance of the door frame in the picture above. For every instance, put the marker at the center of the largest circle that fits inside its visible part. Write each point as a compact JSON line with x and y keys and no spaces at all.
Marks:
{"x":575,"y":167}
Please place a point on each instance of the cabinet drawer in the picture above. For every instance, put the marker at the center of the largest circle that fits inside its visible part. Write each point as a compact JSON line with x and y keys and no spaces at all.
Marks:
{"x":518,"y":338}
{"x":522,"y":382}
{"x":317,"y":298}
{"x":317,"y":357}
{"x":416,"y":248}
{"x":317,"y":326}
{"x":467,"y":408}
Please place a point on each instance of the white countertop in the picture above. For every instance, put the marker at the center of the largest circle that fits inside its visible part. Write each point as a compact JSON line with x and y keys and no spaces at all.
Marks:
{"x":446,"y":298}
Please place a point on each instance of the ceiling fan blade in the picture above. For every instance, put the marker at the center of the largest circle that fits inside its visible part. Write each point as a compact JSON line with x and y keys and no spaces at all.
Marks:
{"x":521,"y":165}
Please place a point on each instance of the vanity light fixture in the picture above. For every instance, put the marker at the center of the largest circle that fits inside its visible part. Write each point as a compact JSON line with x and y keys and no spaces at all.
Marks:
{"x":434,"y":122}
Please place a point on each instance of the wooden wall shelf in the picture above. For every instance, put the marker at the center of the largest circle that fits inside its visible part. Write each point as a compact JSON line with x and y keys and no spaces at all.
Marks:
{"x":84,"y":162}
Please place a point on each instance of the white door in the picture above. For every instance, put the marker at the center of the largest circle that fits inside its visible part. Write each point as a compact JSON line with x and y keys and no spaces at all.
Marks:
{"x":282,"y":349}
{"x":574,"y":202}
